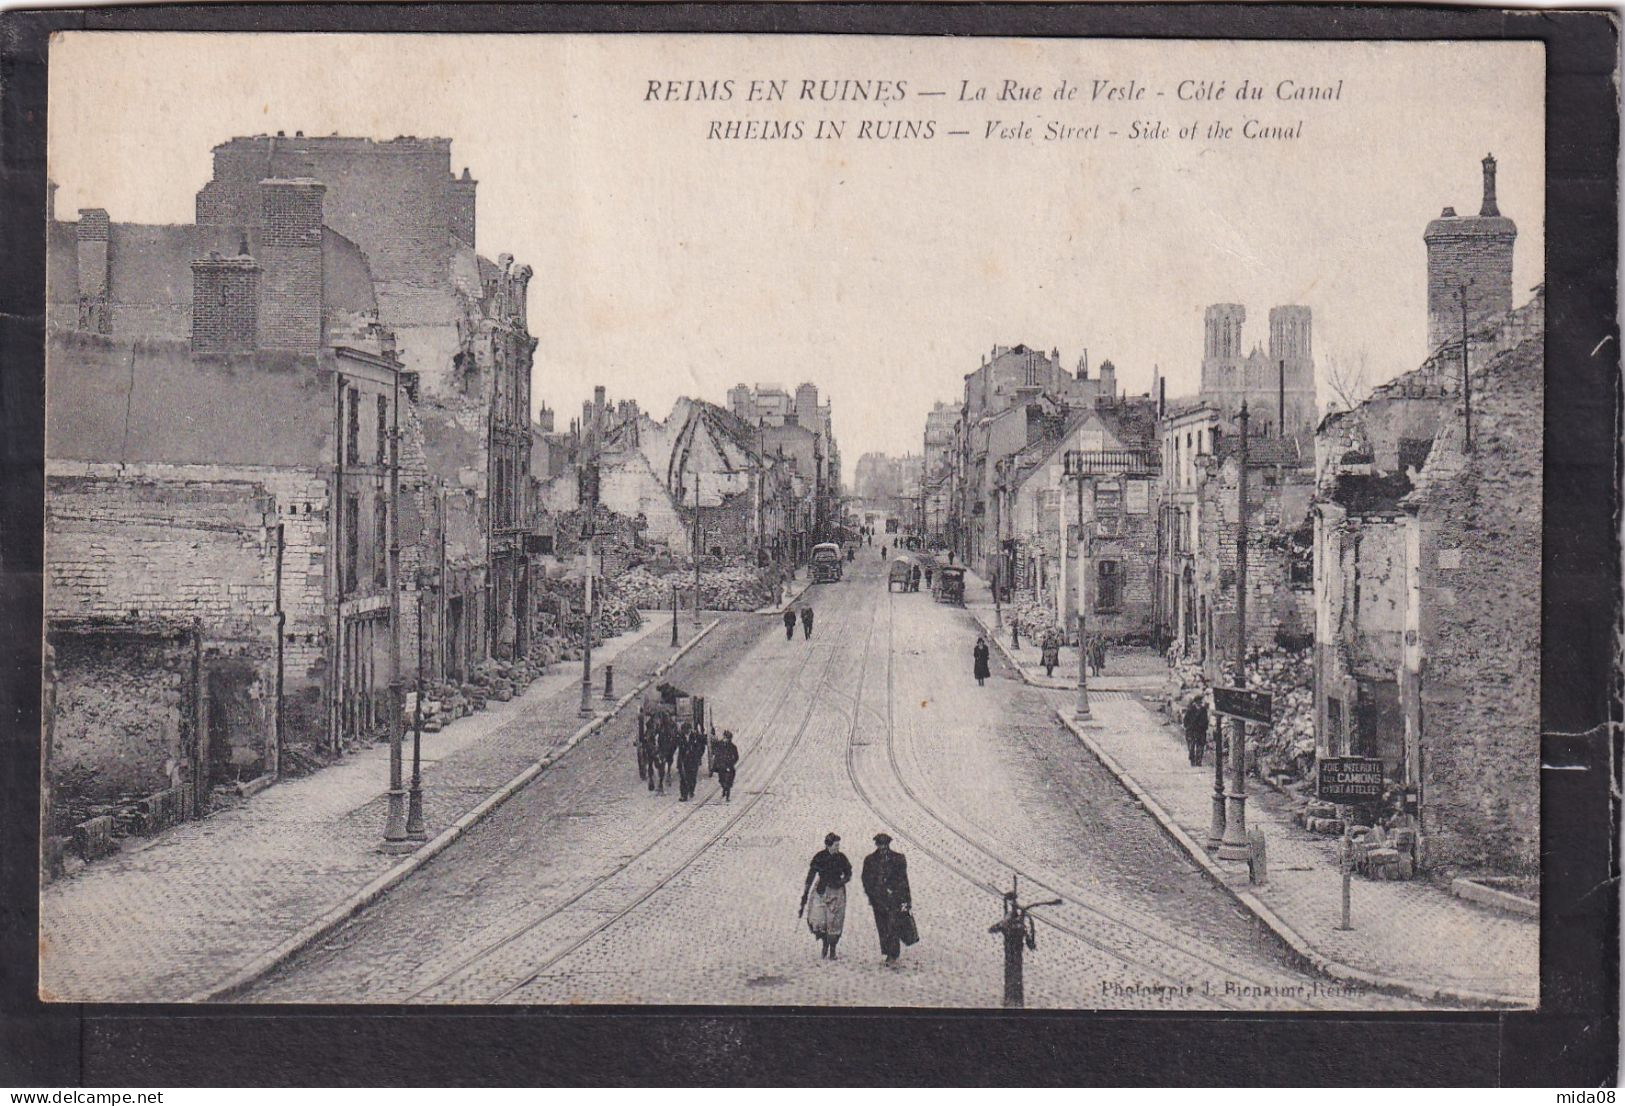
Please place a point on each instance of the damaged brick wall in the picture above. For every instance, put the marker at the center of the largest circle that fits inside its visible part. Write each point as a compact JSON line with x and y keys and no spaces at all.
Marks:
{"x":1479,"y":518}
{"x":126,"y":716}
{"x":1279,"y":603}
{"x":157,"y":571}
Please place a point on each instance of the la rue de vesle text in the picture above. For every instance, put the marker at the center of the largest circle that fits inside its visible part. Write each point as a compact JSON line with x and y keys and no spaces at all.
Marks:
{"x":1214,"y":109}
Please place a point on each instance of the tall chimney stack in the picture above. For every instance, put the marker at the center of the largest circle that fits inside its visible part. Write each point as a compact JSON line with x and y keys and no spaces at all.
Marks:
{"x":1489,"y":209}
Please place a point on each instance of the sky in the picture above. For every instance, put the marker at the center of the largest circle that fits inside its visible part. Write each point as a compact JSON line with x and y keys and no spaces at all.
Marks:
{"x":883,"y":269}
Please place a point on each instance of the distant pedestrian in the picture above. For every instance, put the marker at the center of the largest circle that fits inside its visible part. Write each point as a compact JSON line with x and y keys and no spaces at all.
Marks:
{"x":914,"y":578}
{"x":789,"y":623}
{"x":827,"y":876}
{"x":806,"y":622}
{"x":979,"y":662}
{"x":1195,"y":721}
{"x":950,"y":556}
{"x":885,"y":882}
{"x":689,"y":759}
{"x":1051,"y":646}
{"x":1100,"y":652}
{"x":927,"y":577}
{"x":726,"y":763}
{"x":882,"y":551}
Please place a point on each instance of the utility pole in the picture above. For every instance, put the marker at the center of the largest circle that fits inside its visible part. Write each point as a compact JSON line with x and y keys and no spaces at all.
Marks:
{"x":395,"y":827}
{"x":1466,"y":378}
{"x":1234,"y":846}
{"x":1280,"y":425}
{"x":590,"y":469}
{"x":414,"y":803}
{"x":697,"y":545}
{"x":1080,"y":601}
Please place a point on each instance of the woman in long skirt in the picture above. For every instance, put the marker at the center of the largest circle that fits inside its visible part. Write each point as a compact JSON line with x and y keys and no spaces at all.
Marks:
{"x":1052,"y":651}
{"x":827,"y":877}
{"x":979,"y":662}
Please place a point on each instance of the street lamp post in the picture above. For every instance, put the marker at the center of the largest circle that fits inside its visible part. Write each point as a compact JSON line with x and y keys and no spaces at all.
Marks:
{"x":395,"y":825}
{"x":585,"y":710}
{"x":1078,"y":592}
{"x":697,"y":538}
{"x":1234,"y":846}
{"x":414,"y":800}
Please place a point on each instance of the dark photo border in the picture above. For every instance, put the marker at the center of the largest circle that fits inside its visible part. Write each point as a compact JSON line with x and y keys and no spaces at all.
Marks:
{"x":1570,"y":1042}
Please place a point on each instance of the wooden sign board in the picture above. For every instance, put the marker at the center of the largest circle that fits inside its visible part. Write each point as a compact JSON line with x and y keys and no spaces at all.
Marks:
{"x":1254,"y":706}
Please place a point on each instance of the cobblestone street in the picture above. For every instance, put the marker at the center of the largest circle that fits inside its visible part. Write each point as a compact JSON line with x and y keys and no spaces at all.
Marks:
{"x":587,"y":888}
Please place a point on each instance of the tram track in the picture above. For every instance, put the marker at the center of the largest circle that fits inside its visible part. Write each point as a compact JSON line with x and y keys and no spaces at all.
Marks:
{"x":1071,"y":897}
{"x":738,"y":813}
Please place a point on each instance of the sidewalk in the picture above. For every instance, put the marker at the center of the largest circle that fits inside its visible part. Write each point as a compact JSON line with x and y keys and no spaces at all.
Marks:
{"x":178,"y":916}
{"x":1407,"y":935}
{"x":792,"y":593}
{"x":1126,"y":670}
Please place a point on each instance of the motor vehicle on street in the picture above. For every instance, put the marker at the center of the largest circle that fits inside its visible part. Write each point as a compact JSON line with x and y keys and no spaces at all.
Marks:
{"x":826,"y":563}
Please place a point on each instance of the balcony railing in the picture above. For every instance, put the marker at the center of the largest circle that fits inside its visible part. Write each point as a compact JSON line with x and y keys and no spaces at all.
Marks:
{"x":1112,"y":462}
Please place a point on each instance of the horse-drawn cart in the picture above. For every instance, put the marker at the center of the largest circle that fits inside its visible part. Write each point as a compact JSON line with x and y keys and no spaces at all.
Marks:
{"x":660,"y":722}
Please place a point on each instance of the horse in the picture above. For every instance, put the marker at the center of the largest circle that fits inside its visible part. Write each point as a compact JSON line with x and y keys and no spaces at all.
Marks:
{"x":646,"y":743}
{"x":667,"y":744}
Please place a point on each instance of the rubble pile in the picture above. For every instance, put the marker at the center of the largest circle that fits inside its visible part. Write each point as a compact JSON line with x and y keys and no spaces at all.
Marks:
{"x":1284,"y":752}
{"x":724,"y":587}
{"x":1031,"y":616}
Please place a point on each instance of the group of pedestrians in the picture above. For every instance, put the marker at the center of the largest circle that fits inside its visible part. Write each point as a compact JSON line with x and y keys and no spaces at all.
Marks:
{"x":885,"y":885}
{"x":790,"y":622}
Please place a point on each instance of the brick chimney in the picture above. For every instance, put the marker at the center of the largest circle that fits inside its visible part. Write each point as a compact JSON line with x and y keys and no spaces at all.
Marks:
{"x":460,"y":207}
{"x":291,"y":253}
{"x":91,"y":237}
{"x":1489,"y":209}
{"x":225,"y":303}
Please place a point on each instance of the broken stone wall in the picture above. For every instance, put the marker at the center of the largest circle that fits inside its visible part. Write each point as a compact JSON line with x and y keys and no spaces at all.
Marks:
{"x":126,"y":716}
{"x":1480,"y":523}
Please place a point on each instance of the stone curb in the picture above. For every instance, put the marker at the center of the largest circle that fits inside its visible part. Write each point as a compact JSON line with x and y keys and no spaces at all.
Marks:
{"x":375,"y":890}
{"x":1294,"y":941}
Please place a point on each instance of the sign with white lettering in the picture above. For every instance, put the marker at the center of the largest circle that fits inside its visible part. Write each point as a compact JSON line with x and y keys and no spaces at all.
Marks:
{"x":1348,"y":779}
{"x":1137,"y":497}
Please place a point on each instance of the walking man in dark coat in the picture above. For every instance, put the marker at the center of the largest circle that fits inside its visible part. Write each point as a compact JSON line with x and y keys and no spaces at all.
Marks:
{"x":789,"y":624}
{"x":726,"y":763}
{"x":885,"y":882}
{"x":1196,"y":729}
{"x":689,"y":759}
{"x":806,"y":622}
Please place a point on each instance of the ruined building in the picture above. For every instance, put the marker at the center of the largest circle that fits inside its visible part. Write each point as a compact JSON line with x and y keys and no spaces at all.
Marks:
{"x":218,"y":443}
{"x":460,"y":323}
{"x":1427,"y":532}
{"x":232,"y":406}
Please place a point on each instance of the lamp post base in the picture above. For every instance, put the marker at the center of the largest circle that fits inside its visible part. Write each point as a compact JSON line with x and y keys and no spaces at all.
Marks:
{"x":414,"y":815}
{"x":1235,"y":846}
{"x":395,"y":826}
{"x":1215,"y":829}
